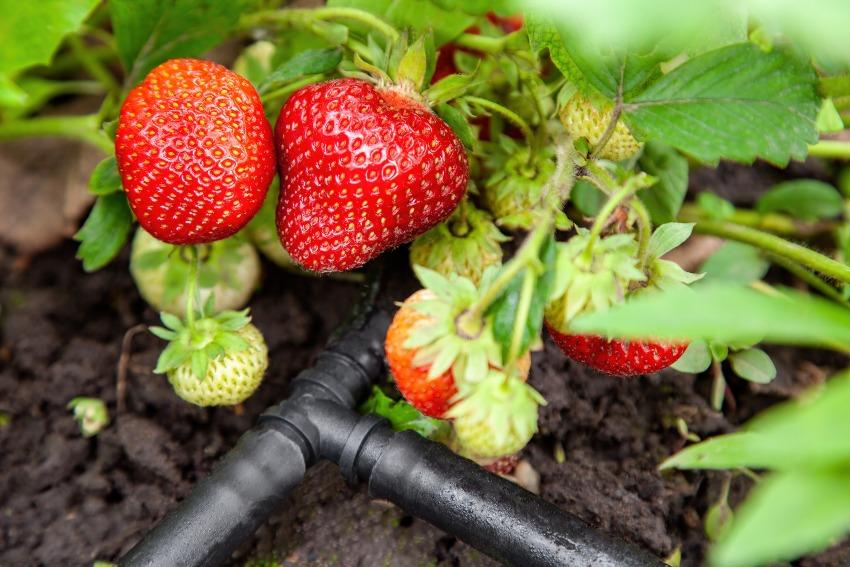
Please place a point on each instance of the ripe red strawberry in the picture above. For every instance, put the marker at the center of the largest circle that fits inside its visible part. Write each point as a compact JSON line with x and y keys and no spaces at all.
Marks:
{"x":364,"y":169}
{"x":618,"y":357}
{"x":431,"y":396}
{"x":195,"y":152}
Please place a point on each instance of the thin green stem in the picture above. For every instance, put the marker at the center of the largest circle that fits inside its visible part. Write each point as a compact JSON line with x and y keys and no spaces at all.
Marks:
{"x":508,"y":114}
{"x":523,"y":308}
{"x":525,"y":256}
{"x":286,"y":90}
{"x":606,"y":135}
{"x":93,"y":65}
{"x":192,"y":292}
{"x":776,"y":245}
{"x":83,"y":128}
{"x":481,"y":43}
{"x":607,"y":210}
{"x":303,"y":16}
{"x":644,"y":224}
{"x":830,"y":149}
{"x":69,"y":61}
{"x":770,"y":222}
{"x":808,"y":277}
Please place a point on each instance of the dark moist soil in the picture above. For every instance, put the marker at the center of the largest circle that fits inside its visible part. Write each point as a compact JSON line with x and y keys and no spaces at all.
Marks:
{"x":67,"y":500}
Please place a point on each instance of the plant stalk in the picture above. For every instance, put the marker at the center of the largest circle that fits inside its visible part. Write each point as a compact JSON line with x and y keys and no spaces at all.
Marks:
{"x":770,"y":222}
{"x":508,"y":114}
{"x":776,"y":245}
{"x":82,"y":128}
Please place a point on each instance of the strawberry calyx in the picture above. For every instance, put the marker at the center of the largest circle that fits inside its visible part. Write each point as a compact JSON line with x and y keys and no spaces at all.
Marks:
{"x":497,"y":416}
{"x":466,"y":244}
{"x":592,"y":282}
{"x":199,"y":341}
{"x":443,"y":344}
{"x":525,"y":185}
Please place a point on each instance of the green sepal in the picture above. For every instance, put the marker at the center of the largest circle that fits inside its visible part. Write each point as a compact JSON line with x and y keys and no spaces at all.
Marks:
{"x":200,"y":341}
{"x":593,"y":283}
{"x":440,"y":343}
{"x":449,"y":88}
{"x":413,"y":65}
{"x":501,"y":408}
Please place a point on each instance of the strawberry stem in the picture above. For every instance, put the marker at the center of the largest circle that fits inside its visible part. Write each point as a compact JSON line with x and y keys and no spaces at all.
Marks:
{"x":607,"y":210}
{"x":192,"y":292}
{"x":776,"y":245}
{"x":770,"y":222}
{"x":830,"y":149}
{"x":482,"y":43}
{"x":93,"y":65}
{"x":523,"y":308}
{"x":286,"y":90}
{"x":526,"y":256}
{"x":305,"y":16}
{"x":644,"y":224}
{"x":83,"y":128}
{"x":506,"y":113}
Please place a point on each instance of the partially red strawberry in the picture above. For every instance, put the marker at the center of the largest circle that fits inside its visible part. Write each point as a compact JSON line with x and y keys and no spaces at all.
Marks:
{"x":509,"y":24}
{"x":364,"y":169}
{"x":432,"y":396}
{"x":195,"y":152}
{"x":615,"y":356}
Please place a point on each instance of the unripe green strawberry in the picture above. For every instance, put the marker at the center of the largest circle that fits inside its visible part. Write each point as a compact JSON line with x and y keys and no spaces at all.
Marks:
{"x":521,"y":188}
{"x":229,"y":271}
{"x":466,"y":244}
{"x":584,"y":120}
{"x":262,"y":231}
{"x":230,"y":378}
{"x":497,"y":418}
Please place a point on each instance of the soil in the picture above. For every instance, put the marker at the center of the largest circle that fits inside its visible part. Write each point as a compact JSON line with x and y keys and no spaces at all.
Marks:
{"x":67,"y":500}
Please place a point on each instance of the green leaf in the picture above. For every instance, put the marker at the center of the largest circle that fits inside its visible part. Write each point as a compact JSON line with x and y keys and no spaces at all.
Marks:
{"x":587,"y":198}
{"x":817,"y":423}
{"x":310,"y":62}
{"x":104,"y":232}
{"x":105,"y":178}
{"x":669,"y":236}
{"x":754,"y":365}
{"x":724,"y":313}
{"x":696,"y":359}
{"x":455,"y":119}
{"x":787,"y":515}
{"x":401,"y":415}
{"x":448,"y":88}
{"x":735,"y":262}
{"x":736,"y":102}
{"x":715,"y":207}
{"x":594,"y":69}
{"x":150,"y":32}
{"x":32,"y":31}
{"x":504,"y":310}
{"x":807,"y":199}
{"x":664,"y":199}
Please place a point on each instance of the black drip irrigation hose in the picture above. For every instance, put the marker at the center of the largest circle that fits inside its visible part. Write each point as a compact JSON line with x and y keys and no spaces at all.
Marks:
{"x":424,"y":478}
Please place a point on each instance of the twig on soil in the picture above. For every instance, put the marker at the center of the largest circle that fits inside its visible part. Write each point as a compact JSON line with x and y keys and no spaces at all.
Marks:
{"x":123,"y":362}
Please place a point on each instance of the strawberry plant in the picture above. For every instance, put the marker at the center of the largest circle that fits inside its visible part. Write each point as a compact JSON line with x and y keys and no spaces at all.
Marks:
{"x":533,"y":158}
